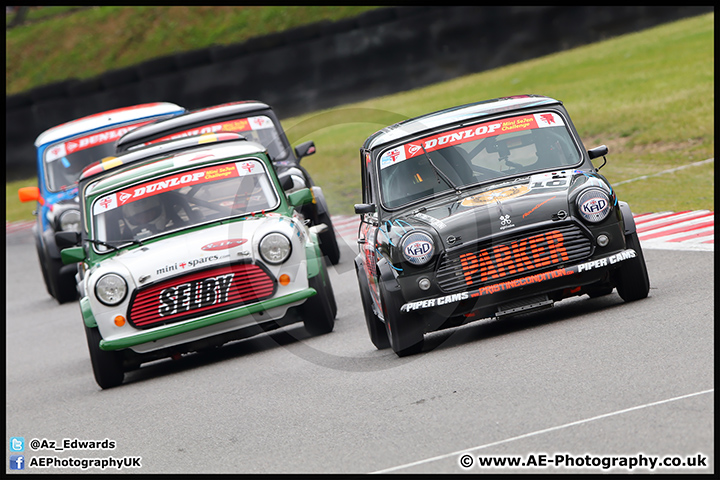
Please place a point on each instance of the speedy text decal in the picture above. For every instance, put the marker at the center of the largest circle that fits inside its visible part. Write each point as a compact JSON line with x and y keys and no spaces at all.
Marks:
{"x":237,"y":125}
{"x":224,"y":244}
{"x":468,"y":134}
{"x":71,"y":146}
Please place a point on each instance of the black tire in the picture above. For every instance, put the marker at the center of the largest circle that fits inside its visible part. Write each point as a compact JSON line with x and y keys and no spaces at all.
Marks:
{"x":328,"y":240}
{"x":375,"y":326}
{"x":43,"y":268}
{"x":107,"y":365}
{"x":404,"y":330}
{"x":633,"y":282}
{"x":62,"y":283}
{"x":318,"y":312}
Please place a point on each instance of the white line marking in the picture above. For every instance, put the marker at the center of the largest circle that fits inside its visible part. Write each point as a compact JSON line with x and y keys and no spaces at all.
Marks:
{"x":546,"y":430}
{"x":645,"y":177}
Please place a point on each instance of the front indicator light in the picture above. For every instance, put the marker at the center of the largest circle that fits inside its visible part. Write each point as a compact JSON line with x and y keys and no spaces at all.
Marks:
{"x":284,"y":279}
{"x":119,"y":320}
{"x":603,"y":240}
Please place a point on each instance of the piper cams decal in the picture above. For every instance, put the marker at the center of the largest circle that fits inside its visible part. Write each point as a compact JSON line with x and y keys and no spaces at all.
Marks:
{"x":519,"y":282}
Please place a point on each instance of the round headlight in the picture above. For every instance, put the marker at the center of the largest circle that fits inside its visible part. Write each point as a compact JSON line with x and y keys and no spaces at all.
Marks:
{"x":70,"y":220}
{"x":417,"y":248}
{"x":594,"y":205}
{"x":275,"y":248}
{"x":111,"y":289}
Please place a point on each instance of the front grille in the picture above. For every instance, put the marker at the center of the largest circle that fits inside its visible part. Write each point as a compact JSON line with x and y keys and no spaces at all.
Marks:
{"x":511,"y":257}
{"x":200,"y":293}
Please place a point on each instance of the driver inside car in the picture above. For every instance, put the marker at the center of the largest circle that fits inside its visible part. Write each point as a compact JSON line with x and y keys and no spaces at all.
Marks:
{"x":145,"y":217}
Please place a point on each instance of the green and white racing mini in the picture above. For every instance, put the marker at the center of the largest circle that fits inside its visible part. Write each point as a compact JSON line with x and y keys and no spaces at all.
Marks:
{"x":187,"y":245}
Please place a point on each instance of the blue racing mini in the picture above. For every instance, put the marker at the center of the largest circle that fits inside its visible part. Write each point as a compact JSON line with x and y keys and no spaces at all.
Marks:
{"x":62,"y":153}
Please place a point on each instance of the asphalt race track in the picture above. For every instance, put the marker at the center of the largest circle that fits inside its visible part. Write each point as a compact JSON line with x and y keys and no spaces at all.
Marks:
{"x":588,"y":382}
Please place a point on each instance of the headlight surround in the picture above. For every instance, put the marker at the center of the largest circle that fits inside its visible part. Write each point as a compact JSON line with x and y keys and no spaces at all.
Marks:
{"x":111,"y":289}
{"x":594,"y":205}
{"x":417,"y":248}
{"x":70,"y":220}
{"x":275,"y":248}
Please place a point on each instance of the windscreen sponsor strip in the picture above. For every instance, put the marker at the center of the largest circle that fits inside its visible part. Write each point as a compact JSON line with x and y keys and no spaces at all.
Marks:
{"x":469,"y":134}
{"x":237,"y":125}
{"x":69,"y":147}
{"x":174,"y":182}
{"x":519,"y":282}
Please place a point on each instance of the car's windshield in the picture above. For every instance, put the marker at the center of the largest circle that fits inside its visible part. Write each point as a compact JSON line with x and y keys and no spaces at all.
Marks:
{"x":475,"y":154}
{"x":181,"y":200}
{"x":259,"y":129}
{"x":65,"y":160}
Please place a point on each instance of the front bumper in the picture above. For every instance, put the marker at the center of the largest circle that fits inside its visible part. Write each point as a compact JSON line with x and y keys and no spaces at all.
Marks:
{"x":207,"y":325}
{"x":488,"y":296}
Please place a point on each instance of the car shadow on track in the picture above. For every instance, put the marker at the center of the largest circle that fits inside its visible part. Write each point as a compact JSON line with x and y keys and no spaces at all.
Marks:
{"x":488,"y":328}
{"x":236,"y":349}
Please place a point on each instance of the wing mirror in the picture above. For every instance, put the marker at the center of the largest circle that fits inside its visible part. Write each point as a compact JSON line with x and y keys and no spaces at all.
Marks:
{"x":30,"y":194}
{"x":305,"y":149}
{"x":363,"y":208}
{"x":67,"y":239}
{"x":301,"y":197}
{"x":596,"y":152}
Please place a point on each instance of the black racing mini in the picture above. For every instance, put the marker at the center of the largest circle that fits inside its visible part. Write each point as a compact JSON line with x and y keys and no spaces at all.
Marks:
{"x":490,"y":209}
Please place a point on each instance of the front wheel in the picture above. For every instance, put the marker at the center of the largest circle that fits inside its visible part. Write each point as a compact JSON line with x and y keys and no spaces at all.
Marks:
{"x":375,"y":326}
{"x":633,"y":282}
{"x":107,"y":365}
{"x":404,"y":330}
{"x":319,"y":311}
{"x":328,"y":240}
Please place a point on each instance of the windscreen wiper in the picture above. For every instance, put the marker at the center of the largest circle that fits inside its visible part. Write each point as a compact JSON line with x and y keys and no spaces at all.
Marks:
{"x":115,"y":249}
{"x":439,"y":173}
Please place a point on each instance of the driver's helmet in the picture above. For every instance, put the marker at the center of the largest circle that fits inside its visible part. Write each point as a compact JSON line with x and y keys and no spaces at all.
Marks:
{"x":146,"y":213}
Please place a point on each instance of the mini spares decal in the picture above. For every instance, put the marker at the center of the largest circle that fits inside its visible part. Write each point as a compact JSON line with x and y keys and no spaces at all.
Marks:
{"x":238,"y":125}
{"x":468,"y":134}
{"x":60,"y":150}
{"x":519,"y":282}
{"x":174,"y":182}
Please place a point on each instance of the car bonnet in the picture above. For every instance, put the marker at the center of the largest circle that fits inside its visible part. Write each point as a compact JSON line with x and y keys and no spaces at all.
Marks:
{"x":495,"y":209}
{"x":208,"y":247}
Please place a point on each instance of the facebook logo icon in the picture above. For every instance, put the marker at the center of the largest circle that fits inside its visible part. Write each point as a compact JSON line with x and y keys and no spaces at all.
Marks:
{"x":17,"y":462}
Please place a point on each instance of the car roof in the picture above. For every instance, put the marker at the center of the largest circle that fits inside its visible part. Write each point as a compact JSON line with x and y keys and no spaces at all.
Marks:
{"x":167,"y":162}
{"x":106,"y":119}
{"x":179,"y":122}
{"x":471,"y":111}
{"x":156,"y":150}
